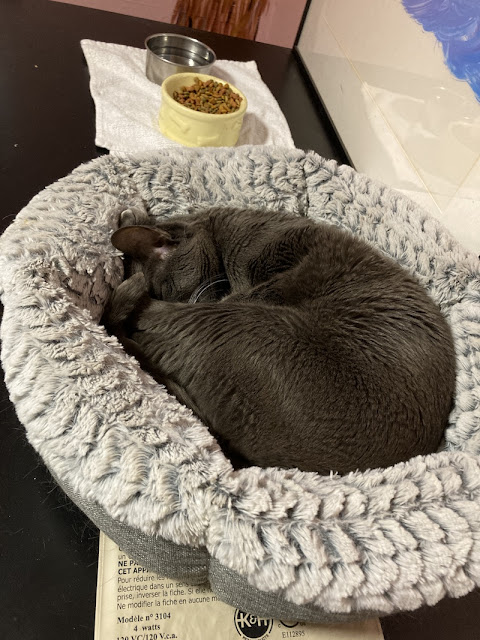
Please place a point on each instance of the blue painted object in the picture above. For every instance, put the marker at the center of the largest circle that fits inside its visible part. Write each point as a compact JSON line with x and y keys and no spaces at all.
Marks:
{"x":456,"y":25}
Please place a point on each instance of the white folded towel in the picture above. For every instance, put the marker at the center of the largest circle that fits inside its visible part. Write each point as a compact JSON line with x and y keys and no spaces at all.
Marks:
{"x":127,"y":103}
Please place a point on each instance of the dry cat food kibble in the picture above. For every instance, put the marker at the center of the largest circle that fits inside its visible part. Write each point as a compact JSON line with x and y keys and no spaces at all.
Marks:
{"x":209,"y":97}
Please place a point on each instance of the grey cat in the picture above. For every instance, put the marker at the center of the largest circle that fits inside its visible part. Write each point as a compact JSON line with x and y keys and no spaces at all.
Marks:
{"x":322,"y":354}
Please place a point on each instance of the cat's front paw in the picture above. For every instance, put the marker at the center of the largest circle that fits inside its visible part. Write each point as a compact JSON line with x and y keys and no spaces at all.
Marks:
{"x":134,"y":216}
{"x":125,"y":299}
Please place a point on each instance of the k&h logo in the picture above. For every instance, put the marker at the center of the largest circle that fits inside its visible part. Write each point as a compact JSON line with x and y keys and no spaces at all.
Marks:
{"x":250,"y":626}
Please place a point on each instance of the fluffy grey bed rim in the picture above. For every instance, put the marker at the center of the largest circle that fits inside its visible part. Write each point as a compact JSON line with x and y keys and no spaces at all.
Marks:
{"x":273,"y":542}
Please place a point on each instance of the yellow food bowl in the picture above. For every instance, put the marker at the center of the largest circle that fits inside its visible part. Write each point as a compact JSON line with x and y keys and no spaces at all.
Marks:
{"x":196,"y":128}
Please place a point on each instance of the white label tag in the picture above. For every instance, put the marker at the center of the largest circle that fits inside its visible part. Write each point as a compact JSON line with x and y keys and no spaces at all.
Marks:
{"x":136,"y":604}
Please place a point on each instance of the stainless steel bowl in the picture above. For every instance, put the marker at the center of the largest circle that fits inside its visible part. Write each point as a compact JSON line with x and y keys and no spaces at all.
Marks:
{"x":169,"y":53}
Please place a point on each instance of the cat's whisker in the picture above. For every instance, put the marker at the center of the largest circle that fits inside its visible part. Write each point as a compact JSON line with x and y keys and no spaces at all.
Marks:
{"x":199,"y":291}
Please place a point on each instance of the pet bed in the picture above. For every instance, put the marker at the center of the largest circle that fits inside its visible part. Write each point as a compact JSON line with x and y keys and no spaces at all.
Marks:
{"x":276,"y":543}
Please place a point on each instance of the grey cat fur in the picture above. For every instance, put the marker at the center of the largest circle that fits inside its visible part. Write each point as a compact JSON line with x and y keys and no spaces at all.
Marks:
{"x":324,"y":356}
{"x":326,"y":548}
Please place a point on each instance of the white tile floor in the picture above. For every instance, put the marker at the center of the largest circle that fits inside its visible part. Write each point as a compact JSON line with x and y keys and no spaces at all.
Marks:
{"x":403,"y":117}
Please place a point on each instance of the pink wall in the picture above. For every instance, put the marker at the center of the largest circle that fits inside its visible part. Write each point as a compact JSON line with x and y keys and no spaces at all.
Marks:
{"x":278,"y":25}
{"x":160,"y":10}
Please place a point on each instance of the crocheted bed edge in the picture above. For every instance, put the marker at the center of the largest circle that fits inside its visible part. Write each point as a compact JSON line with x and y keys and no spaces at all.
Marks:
{"x":379,"y":541}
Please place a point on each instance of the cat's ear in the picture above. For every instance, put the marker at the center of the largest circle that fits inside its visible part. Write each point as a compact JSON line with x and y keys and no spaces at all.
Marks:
{"x":142,"y":243}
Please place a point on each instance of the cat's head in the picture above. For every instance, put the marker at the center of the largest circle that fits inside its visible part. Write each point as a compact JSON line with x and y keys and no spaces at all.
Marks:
{"x":176,"y":257}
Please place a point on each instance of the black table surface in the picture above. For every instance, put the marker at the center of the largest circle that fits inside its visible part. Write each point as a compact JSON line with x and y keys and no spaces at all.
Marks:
{"x":48,"y":549}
